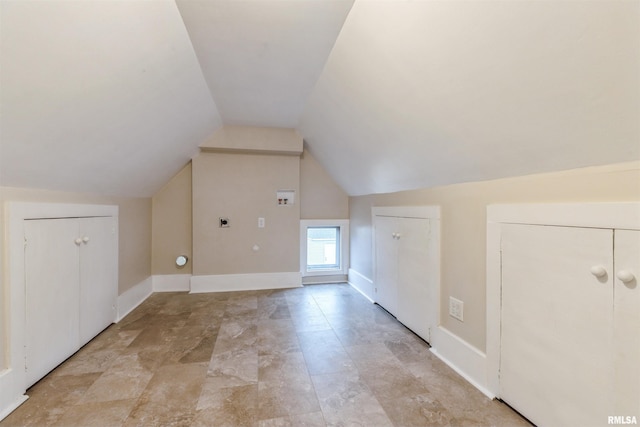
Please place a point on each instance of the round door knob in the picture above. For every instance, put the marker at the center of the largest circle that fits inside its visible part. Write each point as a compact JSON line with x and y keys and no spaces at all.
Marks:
{"x":398,"y":235}
{"x":394,"y":235}
{"x":85,"y":239}
{"x":78,"y":241}
{"x":625,"y":276}
{"x":598,"y":271}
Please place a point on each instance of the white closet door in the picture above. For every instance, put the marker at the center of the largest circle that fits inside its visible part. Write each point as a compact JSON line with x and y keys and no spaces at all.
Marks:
{"x":627,"y":323}
{"x":557,"y":322}
{"x":415,"y":292}
{"x":386,"y":263}
{"x":52,"y":294}
{"x":98,"y":275}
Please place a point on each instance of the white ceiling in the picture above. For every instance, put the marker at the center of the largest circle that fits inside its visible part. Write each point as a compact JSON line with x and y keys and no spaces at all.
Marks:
{"x":100,"y":97}
{"x":114,"y":97}
{"x":261,"y":58}
{"x":419,"y":94}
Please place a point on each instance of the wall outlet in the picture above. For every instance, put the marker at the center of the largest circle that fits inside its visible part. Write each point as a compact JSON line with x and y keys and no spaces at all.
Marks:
{"x":456,"y":309}
{"x":261,"y":222}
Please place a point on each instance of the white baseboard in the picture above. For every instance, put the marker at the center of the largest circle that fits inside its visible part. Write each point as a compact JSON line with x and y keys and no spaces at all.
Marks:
{"x":12,"y":390}
{"x":131,"y":298}
{"x":462,"y":357}
{"x":319,"y":280}
{"x":171,"y":282}
{"x":245,"y":282}
{"x":5,"y":411}
{"x":362,"y":284}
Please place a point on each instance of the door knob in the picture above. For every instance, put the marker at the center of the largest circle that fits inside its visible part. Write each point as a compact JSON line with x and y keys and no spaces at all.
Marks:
{"x":78,"y":241}
{"x":398,"y":235}
{"x":598,"y":271}
{"x":85,"y":239}
{"x":394,"y":235}
{"x":625,"y":276}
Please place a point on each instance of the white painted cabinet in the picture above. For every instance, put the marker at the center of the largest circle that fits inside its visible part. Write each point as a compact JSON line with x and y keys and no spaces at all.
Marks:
{"x":52,"y":292}
{"x":70,"y":287}
{"x":407,"y":266}
{"x":570,"y":334}
{"x":98,"y":276}
{"x":626,"y":323}
{"x":386,"y":283}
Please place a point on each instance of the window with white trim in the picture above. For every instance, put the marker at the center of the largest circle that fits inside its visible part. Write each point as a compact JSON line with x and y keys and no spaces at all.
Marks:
{"x":324,"y":247}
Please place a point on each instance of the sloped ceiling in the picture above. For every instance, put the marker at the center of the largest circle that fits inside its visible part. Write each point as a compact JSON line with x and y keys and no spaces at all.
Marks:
{"x":425,"y":93}
{"x":261,"y":58}
{"x":101,"y":97}
{"x":114,"y":97}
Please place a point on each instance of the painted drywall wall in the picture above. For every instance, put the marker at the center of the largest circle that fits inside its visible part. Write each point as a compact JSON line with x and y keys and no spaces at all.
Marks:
{"x":320,"y":196}
{"x":242,"y":188}
{"x":463,"y":222}
{"x":171,"y":224}
{"x":254,"y":139}
{"x":134,"y":263}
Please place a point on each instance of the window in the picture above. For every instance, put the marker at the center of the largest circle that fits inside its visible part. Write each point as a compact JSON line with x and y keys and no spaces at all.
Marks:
{"x":324,"y":247}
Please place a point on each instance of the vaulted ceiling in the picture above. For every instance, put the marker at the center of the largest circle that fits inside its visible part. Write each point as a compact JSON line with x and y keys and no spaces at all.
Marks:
{"x":114,"y":97}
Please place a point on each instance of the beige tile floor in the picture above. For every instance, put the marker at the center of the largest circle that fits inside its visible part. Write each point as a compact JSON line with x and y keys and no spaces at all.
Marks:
{"x":314,"y":356}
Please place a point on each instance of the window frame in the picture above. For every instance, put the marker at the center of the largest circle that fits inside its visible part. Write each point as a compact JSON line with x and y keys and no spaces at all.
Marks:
{"x":343,"y":249}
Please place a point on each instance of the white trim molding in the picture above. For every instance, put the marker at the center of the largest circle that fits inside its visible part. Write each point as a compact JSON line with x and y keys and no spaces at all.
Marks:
{"x":462,"y":357}
{"x":171,"y":282}
{"x":245,"y":282}
{"x":427,"y":211}
{"x":12,"y":377}
{"x":324,"y":279}
{"x":133,"y":297}
{"x":613,"y":215}
{"x":6,"y":410}
{"x":361,"y":283}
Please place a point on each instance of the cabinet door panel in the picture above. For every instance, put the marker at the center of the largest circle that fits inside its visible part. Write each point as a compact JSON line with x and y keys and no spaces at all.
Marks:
{"x":557,"y":317}
{"x":415,"y":287}
{"x":627,"y":324}
{"x":386,"y":263}
{"x":98,"y":276}
{"x":52,"y":294}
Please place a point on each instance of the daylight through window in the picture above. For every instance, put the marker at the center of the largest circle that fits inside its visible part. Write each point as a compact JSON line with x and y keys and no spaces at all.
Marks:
{"x":323,"y":248}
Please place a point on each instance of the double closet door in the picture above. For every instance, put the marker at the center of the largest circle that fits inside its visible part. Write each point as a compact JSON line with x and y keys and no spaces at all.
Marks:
{"x":570,"y":340}
{"x":71,"y":287}
{"x":406,"y":262}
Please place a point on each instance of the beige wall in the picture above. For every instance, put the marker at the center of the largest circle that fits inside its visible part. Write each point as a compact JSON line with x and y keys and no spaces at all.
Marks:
{"x":320,"y":196}
{"x":254,"y":139}
{"x":463,"y":210}
{"x":171,"y":224}
{"x":242,"y":187}
{"x":134,"y":227}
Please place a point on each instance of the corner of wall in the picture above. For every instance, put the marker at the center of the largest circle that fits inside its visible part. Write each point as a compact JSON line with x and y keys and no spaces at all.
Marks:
{"x":361,"y":283}
{"x":133,"y":297}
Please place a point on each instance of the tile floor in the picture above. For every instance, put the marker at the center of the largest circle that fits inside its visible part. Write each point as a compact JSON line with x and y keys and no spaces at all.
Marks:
{"x":314,"y":356}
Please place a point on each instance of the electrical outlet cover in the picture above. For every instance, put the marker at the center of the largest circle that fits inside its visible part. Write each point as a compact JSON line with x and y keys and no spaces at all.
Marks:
{"x":456,"y":309}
